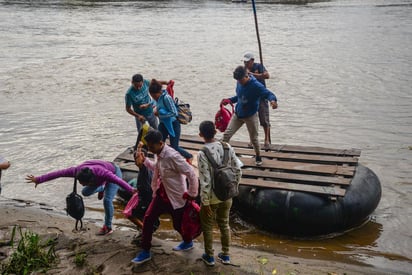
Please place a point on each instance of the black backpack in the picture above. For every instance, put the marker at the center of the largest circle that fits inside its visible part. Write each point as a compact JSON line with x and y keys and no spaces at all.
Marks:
{"x":75,"y":205}
{"x":226,"y":177}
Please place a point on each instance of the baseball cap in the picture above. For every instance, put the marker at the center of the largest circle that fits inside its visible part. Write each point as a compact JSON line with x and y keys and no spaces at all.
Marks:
{"x":248,"y":56}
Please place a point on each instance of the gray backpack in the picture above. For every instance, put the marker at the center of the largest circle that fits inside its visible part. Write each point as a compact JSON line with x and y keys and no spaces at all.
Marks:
{"x":225,"y":177}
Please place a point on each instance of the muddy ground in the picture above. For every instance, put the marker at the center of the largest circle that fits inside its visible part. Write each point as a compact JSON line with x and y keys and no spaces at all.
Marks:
{"x":112,"y":254}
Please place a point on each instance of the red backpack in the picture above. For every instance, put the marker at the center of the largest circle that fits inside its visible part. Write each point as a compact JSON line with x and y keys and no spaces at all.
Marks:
{"x":222,"y":118}
{"x":170,"y":90}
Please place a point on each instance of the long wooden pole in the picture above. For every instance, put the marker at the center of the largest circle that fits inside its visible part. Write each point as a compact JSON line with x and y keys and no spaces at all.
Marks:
{"x":257,"y":32}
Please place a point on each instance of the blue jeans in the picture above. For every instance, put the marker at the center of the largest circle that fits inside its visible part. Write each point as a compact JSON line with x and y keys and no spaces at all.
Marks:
{"x":174,"y":141}
{"x":110,"y":190}
{"x":152,"y":119}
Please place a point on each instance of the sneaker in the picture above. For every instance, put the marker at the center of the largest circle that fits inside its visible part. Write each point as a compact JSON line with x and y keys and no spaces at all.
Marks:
{"x":225,"y":259}
{"x":183,"y":246}
{"x":258,"y":160}
{"x":104,"y":231}
{"x":250,"y":145}
{"x":266,"y":147}
{"x":142,"y":257}
{"x":209,"y":260}
{"x":100,"y":195}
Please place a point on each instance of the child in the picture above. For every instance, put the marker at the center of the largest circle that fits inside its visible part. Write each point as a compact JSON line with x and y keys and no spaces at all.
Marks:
{"x":211,"y":207}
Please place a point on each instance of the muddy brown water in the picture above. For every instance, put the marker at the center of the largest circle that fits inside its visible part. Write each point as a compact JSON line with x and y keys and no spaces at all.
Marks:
{"x":341,"y":70}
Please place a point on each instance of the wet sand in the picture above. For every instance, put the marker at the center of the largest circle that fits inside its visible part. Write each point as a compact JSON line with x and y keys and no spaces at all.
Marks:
{"x":112,"y":254}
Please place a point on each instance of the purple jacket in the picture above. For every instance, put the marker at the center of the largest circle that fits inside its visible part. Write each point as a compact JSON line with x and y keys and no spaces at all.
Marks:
{"x":103,"y":170}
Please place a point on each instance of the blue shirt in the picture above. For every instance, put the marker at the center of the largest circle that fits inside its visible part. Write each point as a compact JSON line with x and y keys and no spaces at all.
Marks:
{"x":167,"y":112}
{"x":166,"y":103}
{"x":136,"y":97}
{"x":248,"y":96}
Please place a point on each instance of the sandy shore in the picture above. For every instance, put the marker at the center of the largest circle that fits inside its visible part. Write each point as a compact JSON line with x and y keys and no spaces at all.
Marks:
{"x":112,"y":254}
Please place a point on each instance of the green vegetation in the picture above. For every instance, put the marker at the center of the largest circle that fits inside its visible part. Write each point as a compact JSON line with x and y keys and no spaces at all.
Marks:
{"x":80,"y":259}
{"x":29,"y":255}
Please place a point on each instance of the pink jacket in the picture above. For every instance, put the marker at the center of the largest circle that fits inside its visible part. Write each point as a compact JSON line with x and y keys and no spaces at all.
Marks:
{"x":173,"y":171}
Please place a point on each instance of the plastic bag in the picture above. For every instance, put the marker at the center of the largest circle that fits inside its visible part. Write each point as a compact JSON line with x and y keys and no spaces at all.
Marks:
{"x":191,"y":220}
{"x":132,"y":204}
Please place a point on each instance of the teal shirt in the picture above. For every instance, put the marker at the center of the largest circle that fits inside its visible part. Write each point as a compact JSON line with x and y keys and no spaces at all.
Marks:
{"x":136,"y":97}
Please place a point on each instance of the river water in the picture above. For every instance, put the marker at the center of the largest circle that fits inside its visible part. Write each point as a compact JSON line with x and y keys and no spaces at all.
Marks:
{"x":341,"y":70}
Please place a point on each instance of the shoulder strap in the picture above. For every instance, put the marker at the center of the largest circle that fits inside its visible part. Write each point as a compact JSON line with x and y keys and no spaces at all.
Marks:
{"x":209,"y":157}
{"x":75,"y":183}
{"x":225,"y":153}
{"x":77,"y":225}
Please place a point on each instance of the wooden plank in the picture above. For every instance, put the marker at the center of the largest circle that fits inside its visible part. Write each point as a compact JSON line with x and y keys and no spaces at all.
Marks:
{"x":282,"y":156}
{"x":287,"y":148}
{"x":126,"y":155}
{"x":295,"y":171}
{"x":324,"y":190}
{"x":130,"y":166}
{"x":297,"y":178}
{"x":306,"y":149}
{"x":196,"y":145}
{"x":288,"y":177}
{"x":301,"y":157}
{"x":301,"y":167}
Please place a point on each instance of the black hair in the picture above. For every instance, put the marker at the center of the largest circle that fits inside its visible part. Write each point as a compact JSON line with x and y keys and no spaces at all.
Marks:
{"x":155,"y":87}
{"x":137,"y":78}
{"x":85,"y":175}
{"x":239,"y":73}
{"x":207,"y":129}
{"x":153,"y":137}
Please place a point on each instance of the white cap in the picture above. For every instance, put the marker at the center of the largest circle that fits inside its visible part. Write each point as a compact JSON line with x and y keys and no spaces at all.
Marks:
{"x":248,"y":56}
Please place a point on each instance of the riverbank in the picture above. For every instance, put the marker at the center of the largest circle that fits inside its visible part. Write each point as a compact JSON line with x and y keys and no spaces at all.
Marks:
{"x":112,"y":254}
{"x":290,"y":2}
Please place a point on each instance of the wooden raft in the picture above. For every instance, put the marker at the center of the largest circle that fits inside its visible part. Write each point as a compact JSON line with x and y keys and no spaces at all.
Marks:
{"x":319,"y":170}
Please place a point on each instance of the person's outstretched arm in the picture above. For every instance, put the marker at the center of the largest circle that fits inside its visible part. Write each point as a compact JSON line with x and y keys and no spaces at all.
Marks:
{"x":68,"y":172}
